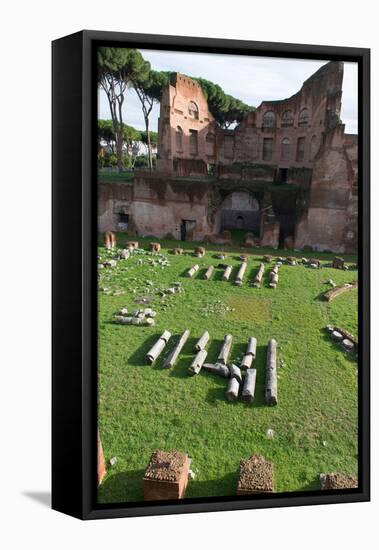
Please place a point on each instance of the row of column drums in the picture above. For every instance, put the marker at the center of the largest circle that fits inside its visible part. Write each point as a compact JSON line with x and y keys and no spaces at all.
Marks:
{"x":241,"y":379}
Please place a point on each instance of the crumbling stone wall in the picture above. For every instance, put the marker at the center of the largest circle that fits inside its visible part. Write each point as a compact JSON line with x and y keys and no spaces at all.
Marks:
{"x":290,"y":159}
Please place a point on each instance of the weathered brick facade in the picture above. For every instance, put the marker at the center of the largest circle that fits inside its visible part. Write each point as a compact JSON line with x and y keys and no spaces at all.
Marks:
{"x":287,"y":172}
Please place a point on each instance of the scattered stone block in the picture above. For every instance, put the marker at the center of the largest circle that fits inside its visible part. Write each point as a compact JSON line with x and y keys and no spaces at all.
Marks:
{"x":113,"y":461}
{"x":177,"y":251}
{"x":256,"y":476}
{"x":314,"y":261}
{"x":124,"y":254}
{"x":291,"y":260}
{"x":332,"y":481}
{"x":243,"y":257}
{"x":199,"y":251}
{"x":132,"y":245}
{"x":338,"y":263}
{"x":166,"y":476}
{"x":110,"y":263}
{"x":155,"y":247}
{"x":267,"y":258}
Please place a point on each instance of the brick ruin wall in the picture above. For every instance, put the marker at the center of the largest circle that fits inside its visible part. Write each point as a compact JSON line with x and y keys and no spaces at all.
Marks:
{"x":300,"y":139}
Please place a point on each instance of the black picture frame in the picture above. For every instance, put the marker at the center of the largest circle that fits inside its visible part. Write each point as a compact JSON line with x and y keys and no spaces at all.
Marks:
{"x":74,"y":333}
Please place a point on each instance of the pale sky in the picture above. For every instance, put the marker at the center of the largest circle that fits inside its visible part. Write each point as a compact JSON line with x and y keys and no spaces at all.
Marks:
{"x":251,"y":79}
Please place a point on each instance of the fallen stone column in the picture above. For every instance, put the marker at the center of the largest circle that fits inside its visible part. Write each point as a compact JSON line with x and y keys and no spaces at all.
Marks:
{"x":225,"y":350}
{"x":208,"y":273}
{"x":158,"y":347}
{"x":259,"y":275}
{"x":274,"y":277}
{"x":227,"y":273}
{"x":236,"y":372}
{"x":240,"y":274}
{"x":198,"y":362}
{"x":334,"y":292}
{"x":347,"y":335}
{"x":248,"y":389}
{"x":231,"y":393}
{"x":121,"y":320}
{"x":217,"y":368}
{"x":247,"y":361}
{"x":202,"y":342}
{"x":191,"y":272}
{"x":271,"y":389}
{"x":172,"y":358}
{"x":252,"y":347}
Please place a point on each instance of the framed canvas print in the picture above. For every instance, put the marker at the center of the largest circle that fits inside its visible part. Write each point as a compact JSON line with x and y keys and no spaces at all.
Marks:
{"x":210,"y":274}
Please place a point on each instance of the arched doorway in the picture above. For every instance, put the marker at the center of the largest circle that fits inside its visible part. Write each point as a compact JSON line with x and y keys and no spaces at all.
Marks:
{"x":240,"y":210}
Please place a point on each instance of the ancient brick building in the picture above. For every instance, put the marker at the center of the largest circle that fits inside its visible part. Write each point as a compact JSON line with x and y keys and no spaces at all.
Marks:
{"x":287,"y":172}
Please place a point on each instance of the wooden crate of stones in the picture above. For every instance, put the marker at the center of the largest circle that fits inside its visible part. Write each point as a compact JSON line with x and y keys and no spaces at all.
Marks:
{"x":256,"y":476}
{"x":166,"y":476}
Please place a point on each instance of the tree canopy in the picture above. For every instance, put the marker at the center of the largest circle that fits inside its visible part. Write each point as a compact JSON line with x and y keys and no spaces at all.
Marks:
{"x":123,"y":68}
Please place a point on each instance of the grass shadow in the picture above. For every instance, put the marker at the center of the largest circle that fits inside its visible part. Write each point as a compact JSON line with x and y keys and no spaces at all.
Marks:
{"x":116,"y":487}
{"x":313,"y":485}
{"x":217,"y":274}
{"x":351,"y":356}
{"x":138,"y":356}
{"x":201,"y":273}
{"x":221,"y":487}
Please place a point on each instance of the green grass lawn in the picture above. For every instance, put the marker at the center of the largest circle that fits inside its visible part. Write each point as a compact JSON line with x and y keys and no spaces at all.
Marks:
{"x":142,"y":408}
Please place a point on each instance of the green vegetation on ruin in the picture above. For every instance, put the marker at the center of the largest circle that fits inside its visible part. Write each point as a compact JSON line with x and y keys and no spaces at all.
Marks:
{"x":142,"y":408}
